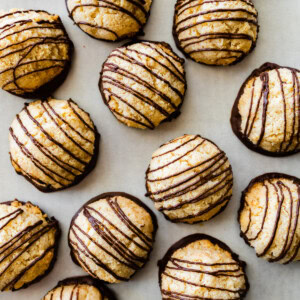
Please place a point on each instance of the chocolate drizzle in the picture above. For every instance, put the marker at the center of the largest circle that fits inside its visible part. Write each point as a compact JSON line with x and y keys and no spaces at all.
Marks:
{"x":114,"y":241}
{"x":205,"y":41}
{"x":12,"y":250}
{"x":290,"y":141}
{"x":171,"y":267}
{"x":44,"y":34}
{"x":212,"y":176}
{"x":140,"y":94}
{"x":137,"y":11}
{"x":285,"y":221}
{"x":63,"y":167}
{"x":78,"y":283}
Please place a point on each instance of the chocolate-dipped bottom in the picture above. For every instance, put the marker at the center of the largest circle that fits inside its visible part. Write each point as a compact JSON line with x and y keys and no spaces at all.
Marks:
{"x":216,"y":32}
{"x":80,"y":288}
{"x":269,"y":217}
{"x":53,"y":144}
{"x":28,"y":244}
{"x":202,"y":267}
{"x":35,"y":52}
{"x":143,"y":84}
{"x":189,"y":179}
{"x":111,"y":236}
{"x":266,"y":113}
{"x":110,"y":20}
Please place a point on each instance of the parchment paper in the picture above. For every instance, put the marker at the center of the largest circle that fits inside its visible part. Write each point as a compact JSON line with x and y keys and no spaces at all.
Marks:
{"x":125,"y":152}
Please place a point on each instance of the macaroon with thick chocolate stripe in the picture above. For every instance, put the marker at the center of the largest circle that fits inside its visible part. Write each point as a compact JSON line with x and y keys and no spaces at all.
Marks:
{"x":53,"y":144}
{"x":80,"y":288}
{"x":35,"y":52}
{"x":218,"y":33}
{"x":28,"y":244}
{"x":266,"y":113}
{"x":189,"y":179}
{"x":269,"y":217}
{"x":110,"y":20}
{"x":202,"y":267}
{"x":143,"y":84}
{"x":111,"y":236}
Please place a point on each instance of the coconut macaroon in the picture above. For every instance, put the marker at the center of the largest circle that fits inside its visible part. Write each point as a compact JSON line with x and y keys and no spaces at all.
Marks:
{"x":269,"y":217}
{"x":266,"y":113}
{"x":53,"y":144}
{"x":79,"y":288}
{"x":143,"y":84}
{"x":35,"y":52}
{"x":28,"y":244}
{"x":189,"y":179}
{"x":111,"y":236}
{"x":110,"y":20}
{"x":215,"y":32}
{"x":202,"y":267}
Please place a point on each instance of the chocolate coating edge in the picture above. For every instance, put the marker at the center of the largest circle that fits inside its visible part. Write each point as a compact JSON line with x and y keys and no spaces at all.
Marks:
{"x":89,"y":168}
{"x":172,"y":116}
{"x":49,"y":87}
{"x":58,"y":234}
{"x":235,"y":118}
{"x":112,"y":194}
{"x":258,"y":179}
{"x":176,"y":39}
{"x":88,"y":280}
{"x":128,"y":36}
{"x":195,"y":237}
{"x":197,"y":222}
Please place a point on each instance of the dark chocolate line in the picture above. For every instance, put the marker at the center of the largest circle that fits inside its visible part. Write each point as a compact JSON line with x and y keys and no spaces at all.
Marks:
{"x":45,"y":150}
{"x":132,"y":60}
{"x":122,"y":216}
{"x":63,"y":131}
{"x":116,"y":69}
{"x":176,"y":148}
{"x":96,"y":259}
{"x":15,"y":214}
{"x":52,"y":139}
{"x":203,"y":285}
{"x":36,"y":162}
{"x":216,"y":11}
{"x":67,"y":123}
{"x":178,"y":158}
{"x":112,"y":240}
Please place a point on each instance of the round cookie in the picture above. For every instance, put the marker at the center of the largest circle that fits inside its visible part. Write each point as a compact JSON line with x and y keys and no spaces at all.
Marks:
{"x":202,"y":267}
{"x":189,"y":179}
{"x":111,"y":236}
{"x":266,"y":113}
{"x":53,"y":144}
{"x":269,"y":217}
{"x":79,"y":288}
{"x":217,"y":33}
{"x":35,"y":52}
{"x":110,"y":20}
{"x":28,"y":244}
{"x":143,"y":84}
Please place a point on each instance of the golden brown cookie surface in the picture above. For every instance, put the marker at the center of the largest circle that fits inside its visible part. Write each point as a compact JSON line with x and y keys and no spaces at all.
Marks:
{"x":266,"y":115}
{"x":270,"y":217}
{"x":189,"y":179}
{"x":79,"y":288}
{"x":202,"y":267}
{"x":215,"y":32}
{"x":110,"y":20}
{"x":53,"y":144}
{"x":35,"y":52}
{"x":111,"y":236}
{"x":143,"y":84}
{"x":28,"y":244}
